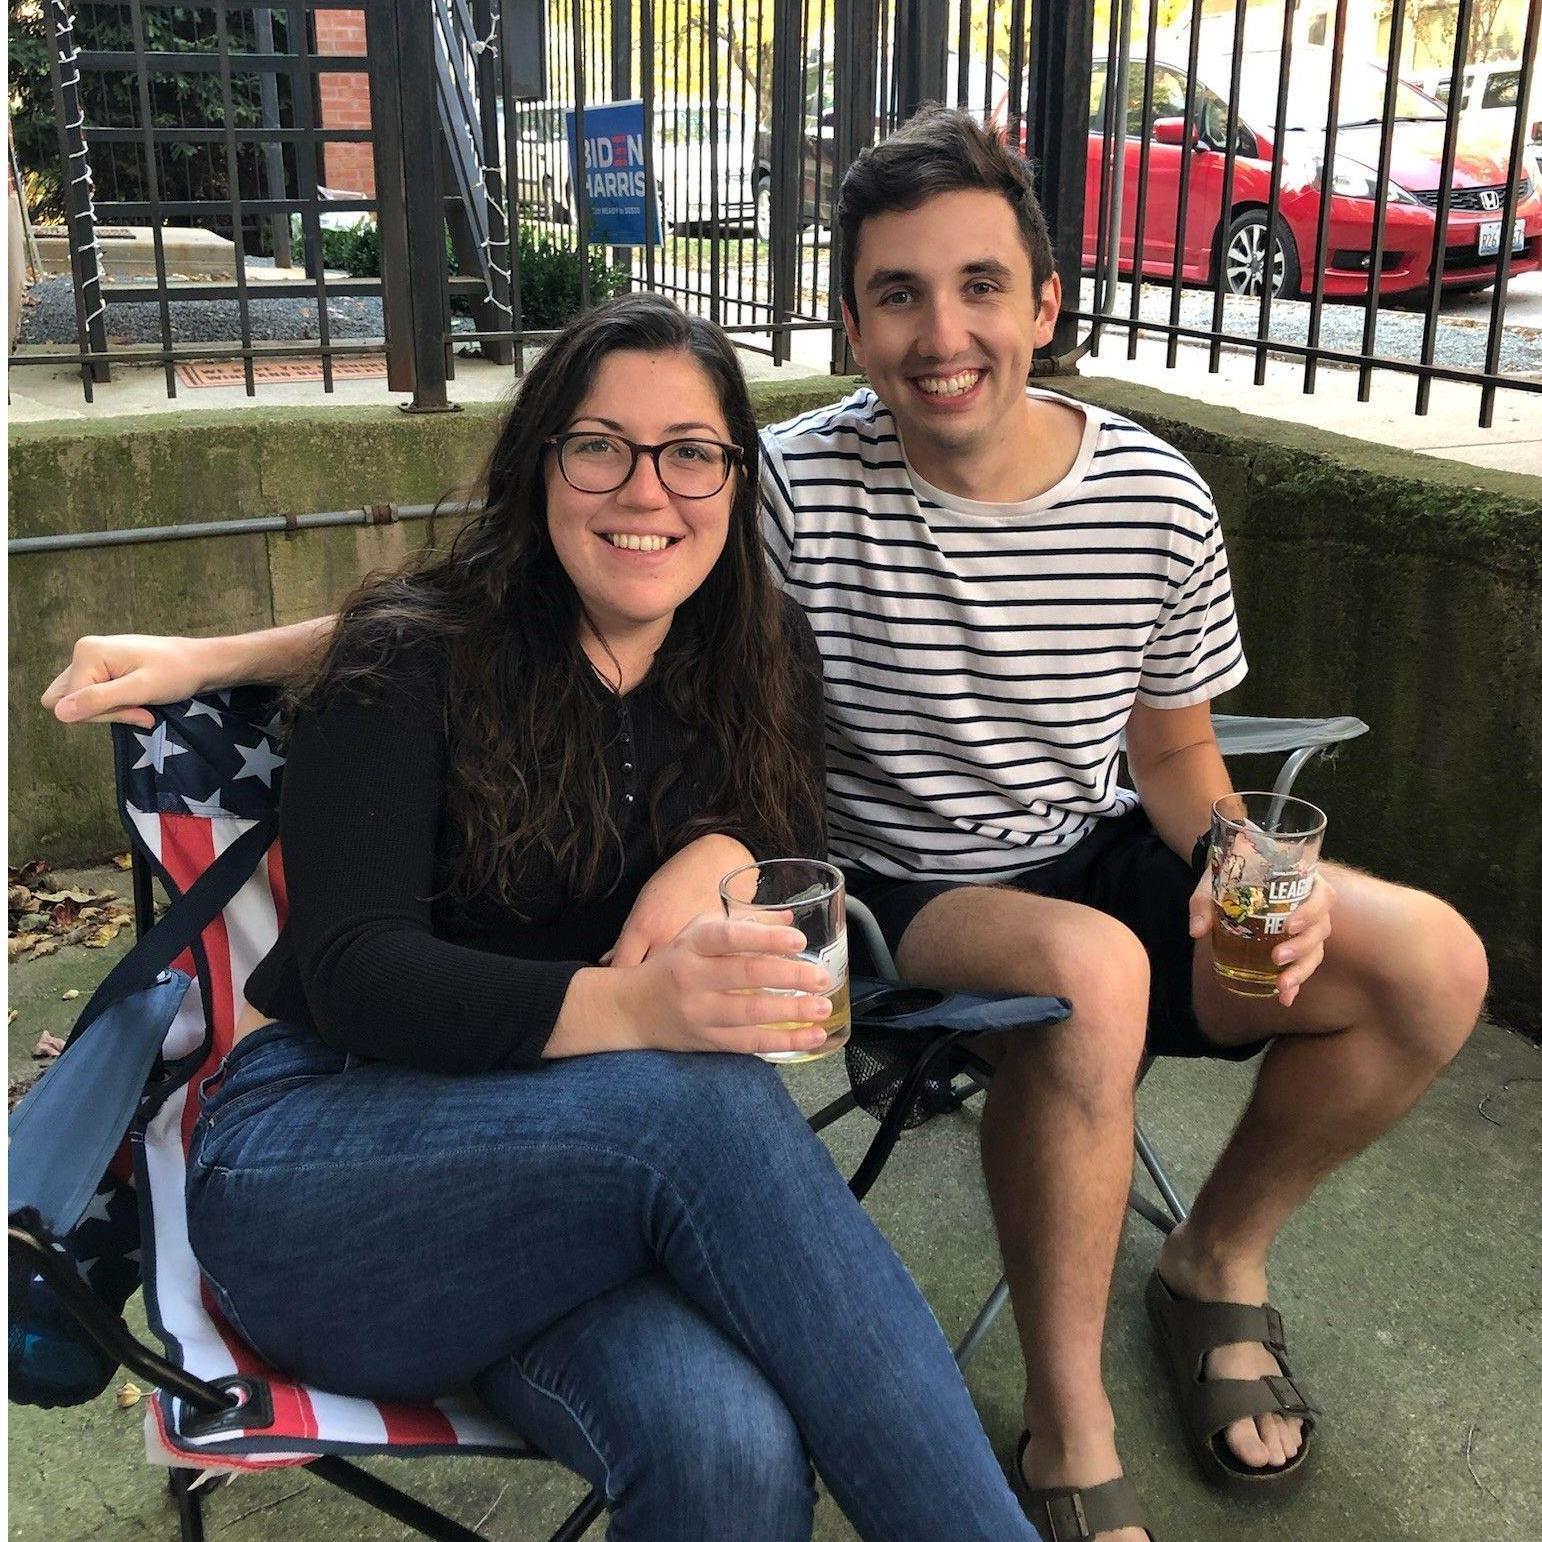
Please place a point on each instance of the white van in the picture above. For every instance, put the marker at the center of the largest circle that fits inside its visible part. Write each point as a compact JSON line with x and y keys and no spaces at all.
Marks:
{"x":1489,"y":94}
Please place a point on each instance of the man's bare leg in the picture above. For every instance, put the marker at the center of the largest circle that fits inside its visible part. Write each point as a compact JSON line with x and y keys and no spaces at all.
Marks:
{"x":1397,"y":995}
{"x":1056,"y":1143}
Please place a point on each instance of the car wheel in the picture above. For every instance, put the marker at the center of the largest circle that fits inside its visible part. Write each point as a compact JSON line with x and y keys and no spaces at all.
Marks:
{"x":762,"y":208}
{"x":1242,"y":257}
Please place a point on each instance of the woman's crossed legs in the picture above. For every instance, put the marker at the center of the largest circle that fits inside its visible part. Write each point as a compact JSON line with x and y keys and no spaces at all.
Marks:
{"x":395,"y":1233}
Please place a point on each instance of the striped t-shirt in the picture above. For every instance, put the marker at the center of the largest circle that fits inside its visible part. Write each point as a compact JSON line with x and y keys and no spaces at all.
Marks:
{"x":981,"y":659}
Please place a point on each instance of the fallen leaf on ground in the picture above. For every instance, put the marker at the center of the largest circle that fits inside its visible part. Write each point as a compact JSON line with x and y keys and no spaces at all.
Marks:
{"x":69,"y":995}
{"x":86,"y":896}
{"x":48,"y":1046}
{"x":12,"y":1018}
{"x":102,"y":935}
{"x":128,"y":1395}
{"x":45,"y":946}
{"x":123,"y":861}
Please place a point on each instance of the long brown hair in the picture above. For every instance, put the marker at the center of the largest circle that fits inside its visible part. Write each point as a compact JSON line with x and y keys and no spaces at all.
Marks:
{"x":526,"y":747}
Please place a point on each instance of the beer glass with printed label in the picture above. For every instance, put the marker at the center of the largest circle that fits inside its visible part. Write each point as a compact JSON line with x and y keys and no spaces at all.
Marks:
{"x":1263,"y":858}
{"x":793,"y":891}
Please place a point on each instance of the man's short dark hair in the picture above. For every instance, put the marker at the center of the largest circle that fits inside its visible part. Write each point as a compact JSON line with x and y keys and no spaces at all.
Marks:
{"x":940,"y":150}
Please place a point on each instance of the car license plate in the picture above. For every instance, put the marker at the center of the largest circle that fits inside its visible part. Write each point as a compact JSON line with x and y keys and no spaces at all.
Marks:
{"x":1488,"y":237}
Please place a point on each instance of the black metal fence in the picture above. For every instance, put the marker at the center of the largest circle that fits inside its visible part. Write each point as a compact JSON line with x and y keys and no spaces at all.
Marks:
{"x":1252,"y":178}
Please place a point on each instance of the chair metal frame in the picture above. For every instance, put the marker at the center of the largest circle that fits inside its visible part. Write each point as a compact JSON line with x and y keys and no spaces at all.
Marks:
{"x":1301,"y":740}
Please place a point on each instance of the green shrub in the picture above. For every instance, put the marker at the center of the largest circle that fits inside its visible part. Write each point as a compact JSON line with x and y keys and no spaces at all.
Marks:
{"x":357,"y":249}
{"x":548,"y":281}
{"x":548,"y":272}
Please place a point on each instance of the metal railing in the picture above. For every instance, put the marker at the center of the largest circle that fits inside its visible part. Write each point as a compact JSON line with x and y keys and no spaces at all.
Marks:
{"x":290,"y":141}
{"x":1242,"y":180}
{"x":1283,"y":163}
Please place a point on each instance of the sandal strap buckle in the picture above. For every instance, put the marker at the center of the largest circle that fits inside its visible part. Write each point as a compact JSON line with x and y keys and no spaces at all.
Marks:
{"x":1294,"y":1397}
{"x":1276,"y":1339}
{"x":1066,"y":1511}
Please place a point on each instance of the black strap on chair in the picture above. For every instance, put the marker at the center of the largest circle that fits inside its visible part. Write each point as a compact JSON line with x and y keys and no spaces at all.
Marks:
{"x":907,"y":1044}
{"x":64,"y":1132}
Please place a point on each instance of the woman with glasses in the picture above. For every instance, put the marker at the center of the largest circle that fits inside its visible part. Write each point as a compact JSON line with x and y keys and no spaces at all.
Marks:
{"x":494,"y":1114}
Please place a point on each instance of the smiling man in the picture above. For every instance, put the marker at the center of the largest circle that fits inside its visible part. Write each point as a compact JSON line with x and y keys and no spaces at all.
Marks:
{"x":1003,"y":582}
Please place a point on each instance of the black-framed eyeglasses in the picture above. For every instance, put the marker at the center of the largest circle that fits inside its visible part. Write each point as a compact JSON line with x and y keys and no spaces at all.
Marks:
{"x":601,"y":463}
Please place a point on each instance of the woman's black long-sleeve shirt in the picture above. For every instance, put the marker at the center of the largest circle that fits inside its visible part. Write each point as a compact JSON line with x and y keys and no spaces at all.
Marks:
{"x":378,"y":959}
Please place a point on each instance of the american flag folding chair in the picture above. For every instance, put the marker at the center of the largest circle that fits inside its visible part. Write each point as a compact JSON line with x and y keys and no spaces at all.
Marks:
{"x":199,"y":797}
{"x":198,"y":791}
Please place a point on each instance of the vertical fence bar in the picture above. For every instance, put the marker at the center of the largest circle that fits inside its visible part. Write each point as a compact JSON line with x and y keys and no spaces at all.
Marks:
{"x":1512,"y":182}
{"x":1383,"y":188}
{"x":272,"y":150}
{"x":1057,"y":137}
{"x":423,"y":205}
{"x":621,"y":91}
{"x":714,"y":163}
{"x":1143,"y":180}
{"x":855,"y":37}
{"x":961,"y":52}
{"x":511,"y":187}
{"x":1325,"y":203}
{"x":1108,"y":149}
{"x":786,"y":178}
{"x":385,"y":116}
{"x":580,"y":167}
{"x":502,"y":203}
{"x":648,"y":83}
{"x":1017,"y":70}
{"x":1123,"y":10}
{"x":1228,"y":178}
{"x":85,"y":255}
{"x":1185,"y":163}
{"x":233,"y":175}
{"x":152,"y":184}
{"x":303,"y":79}
{"x":1276,"y":173}
{"x":1443,"y":206}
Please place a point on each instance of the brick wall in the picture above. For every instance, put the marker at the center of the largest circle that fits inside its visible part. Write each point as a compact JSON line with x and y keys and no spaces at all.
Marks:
{"x":345,"y":103}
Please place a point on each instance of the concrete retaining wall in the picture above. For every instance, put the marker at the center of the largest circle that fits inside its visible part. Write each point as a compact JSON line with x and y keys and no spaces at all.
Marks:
{"x":1402,"y":589}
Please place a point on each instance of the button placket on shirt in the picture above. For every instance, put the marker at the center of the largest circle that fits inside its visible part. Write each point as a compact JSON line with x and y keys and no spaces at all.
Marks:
{"x":628,"y":759}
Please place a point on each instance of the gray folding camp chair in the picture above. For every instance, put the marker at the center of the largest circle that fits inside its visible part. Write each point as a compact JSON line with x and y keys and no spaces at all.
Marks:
{"x":1300,"y":740}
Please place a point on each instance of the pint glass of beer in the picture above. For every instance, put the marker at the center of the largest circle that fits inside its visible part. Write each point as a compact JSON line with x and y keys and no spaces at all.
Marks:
{"x":1263,"y":854}
{"x":791,"y":891}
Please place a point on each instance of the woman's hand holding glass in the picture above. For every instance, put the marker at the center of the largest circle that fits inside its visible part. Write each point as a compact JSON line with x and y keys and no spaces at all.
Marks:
{"x":706,"y":990}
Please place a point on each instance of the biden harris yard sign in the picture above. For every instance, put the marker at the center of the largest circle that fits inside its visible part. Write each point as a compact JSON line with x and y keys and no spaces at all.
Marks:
{"x":614,"y":178}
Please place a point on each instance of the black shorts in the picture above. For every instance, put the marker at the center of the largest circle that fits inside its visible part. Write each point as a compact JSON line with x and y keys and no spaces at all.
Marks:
{"x":1126,"y":870}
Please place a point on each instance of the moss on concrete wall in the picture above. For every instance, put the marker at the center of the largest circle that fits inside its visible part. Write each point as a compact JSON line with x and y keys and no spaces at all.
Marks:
{"x":1403,"y":589}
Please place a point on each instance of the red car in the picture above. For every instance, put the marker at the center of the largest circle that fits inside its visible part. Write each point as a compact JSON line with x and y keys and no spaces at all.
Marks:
{"x":1236,"y":239}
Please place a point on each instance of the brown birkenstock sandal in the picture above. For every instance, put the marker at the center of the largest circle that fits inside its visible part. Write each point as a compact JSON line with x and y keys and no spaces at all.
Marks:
{"x":1077,"y":1514}
{"x":1187,"y":1331}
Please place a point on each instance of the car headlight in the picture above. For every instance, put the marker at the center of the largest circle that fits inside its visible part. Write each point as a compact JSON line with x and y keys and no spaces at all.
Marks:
{"x":1352,"y":180}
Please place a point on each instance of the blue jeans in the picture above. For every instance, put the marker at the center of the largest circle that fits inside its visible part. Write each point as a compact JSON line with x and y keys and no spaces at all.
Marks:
{"x":646,"y":1263}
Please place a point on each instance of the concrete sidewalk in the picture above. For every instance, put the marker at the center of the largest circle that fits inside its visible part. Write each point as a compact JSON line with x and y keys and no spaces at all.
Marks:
{"x":1411,"y":1289}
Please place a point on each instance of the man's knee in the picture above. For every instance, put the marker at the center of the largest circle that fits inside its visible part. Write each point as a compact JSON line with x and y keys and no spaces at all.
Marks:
{"x":1431,"y":978}
{"x":1100,"y":967}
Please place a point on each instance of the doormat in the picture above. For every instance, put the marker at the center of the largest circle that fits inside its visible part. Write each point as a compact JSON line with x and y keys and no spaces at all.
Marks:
{"x":231,"y":372}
